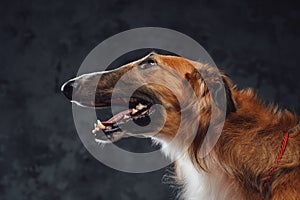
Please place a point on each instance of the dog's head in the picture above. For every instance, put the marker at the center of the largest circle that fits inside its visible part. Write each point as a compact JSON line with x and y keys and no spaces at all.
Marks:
{"x":175,"y":83}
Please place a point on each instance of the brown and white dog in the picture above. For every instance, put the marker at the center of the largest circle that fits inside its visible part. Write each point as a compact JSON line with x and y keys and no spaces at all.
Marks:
{"x":238,"y":166}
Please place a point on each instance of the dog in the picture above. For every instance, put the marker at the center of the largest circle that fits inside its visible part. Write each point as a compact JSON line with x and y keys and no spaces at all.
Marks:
{"x":257,"y":154}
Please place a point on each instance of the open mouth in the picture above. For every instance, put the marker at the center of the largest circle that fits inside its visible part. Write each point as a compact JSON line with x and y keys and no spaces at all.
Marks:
{"x":139,"y":112}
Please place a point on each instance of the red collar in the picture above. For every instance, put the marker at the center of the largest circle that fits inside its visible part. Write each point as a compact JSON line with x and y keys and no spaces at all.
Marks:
{"x":278,"y":157}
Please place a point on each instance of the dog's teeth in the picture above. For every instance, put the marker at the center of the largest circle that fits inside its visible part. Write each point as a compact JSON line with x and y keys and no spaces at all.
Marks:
{"x":134,"y":111}
{"x":140,"y":106}
{"x":100,"y":125}
{"x":94,"y":131}
{"x":126,"y":116}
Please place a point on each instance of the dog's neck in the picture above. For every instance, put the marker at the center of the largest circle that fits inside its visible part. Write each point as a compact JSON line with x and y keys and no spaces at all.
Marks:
{"x":251,"y":118}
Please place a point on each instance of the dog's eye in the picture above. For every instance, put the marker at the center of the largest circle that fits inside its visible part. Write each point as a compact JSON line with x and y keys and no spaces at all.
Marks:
{"x":147,"y":64}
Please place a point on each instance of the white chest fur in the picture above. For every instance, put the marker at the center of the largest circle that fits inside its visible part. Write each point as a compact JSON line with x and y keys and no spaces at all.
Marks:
{"x":200,"y":185}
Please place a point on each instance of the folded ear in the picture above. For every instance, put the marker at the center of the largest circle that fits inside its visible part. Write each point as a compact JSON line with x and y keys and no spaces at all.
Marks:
{"x":194,"y":78}
{"x":217,"y":84}
{"x":228,"y":89}
{"x":222,"y":86}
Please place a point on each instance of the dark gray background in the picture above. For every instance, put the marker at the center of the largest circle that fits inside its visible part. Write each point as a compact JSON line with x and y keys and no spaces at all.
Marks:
{"x":43,"y":43}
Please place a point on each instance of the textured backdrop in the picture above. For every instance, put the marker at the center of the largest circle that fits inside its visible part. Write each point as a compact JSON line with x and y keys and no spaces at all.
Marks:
{"x":42,"y":44}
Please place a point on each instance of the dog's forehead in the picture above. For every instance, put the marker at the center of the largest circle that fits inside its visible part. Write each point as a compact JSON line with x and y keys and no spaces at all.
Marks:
{"x":150,"y":55}
{"x":180,"y":64}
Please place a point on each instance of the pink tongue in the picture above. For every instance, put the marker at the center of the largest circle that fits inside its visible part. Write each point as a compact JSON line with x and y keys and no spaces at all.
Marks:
{"x":117,"y":117}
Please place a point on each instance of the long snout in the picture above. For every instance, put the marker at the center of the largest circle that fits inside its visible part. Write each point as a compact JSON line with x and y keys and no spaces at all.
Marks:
{"x":83,"y":89}
{"x":93,"y":89}
{"x":68,"y":88}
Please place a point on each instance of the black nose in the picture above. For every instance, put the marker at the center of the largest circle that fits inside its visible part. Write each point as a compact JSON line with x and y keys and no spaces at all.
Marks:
{"x":68,"y":88}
